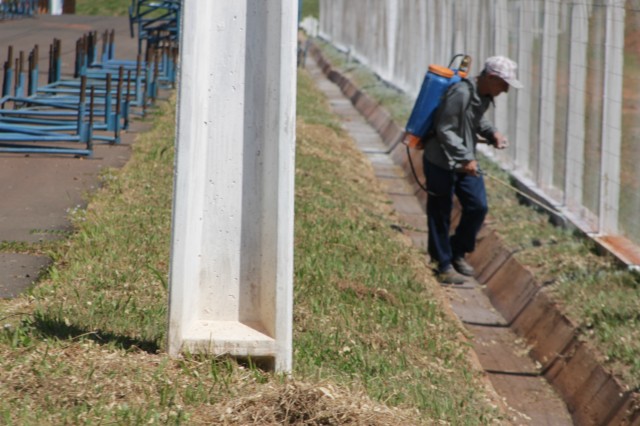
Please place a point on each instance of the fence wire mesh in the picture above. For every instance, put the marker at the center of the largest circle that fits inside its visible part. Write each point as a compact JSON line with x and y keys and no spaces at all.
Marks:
{"x":574,"y":127}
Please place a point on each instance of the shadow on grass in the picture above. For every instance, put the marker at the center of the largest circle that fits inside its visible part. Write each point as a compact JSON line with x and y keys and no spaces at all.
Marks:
{"x":54,"y":327}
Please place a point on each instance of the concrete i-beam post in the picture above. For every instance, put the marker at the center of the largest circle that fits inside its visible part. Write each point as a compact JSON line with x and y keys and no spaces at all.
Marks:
{"x":55,"y":7}
{"x":231,"y":279}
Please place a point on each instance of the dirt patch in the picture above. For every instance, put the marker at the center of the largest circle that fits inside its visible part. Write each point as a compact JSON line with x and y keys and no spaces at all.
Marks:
{"x":363,"y":292}
{"x":298,"y":403}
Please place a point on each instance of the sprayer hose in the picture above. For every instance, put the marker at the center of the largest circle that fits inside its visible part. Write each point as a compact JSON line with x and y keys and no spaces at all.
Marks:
{"x":495,"y":179}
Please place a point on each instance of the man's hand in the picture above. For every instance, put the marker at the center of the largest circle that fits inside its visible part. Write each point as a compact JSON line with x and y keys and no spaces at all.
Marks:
{"x":470,"y":168}
{"x":501,"y":141}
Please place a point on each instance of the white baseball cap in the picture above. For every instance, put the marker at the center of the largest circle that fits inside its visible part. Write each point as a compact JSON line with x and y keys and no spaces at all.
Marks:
{"x":504,"y":68}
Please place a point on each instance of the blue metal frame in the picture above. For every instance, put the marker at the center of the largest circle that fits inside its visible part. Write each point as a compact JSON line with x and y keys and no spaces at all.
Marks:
{"x":11,"y":9}
{"x":101,"y":96}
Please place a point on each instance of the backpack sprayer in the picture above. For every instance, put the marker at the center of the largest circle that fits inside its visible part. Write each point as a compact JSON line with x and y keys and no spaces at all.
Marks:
{"x":435,"y":84}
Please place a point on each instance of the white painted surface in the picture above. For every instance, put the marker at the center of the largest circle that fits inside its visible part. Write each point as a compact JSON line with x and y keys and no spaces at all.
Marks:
{"x":576,"y":119}
{"x":310,"y":25}
{"x":232,"y":247}
{"x":612,"y":119}
{"x":55,"y":7}
{"x":523,"y":105}
{"x":501,"y":47}
{"x":549,"y":63}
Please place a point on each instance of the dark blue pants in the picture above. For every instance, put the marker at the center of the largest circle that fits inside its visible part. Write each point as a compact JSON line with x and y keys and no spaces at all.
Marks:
{"x":442,"y":185}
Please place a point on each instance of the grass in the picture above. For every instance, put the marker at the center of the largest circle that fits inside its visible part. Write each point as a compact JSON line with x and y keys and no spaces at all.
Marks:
{"x":595,"y":291}
{"x":361,"y":300}
{"x":397,"y":103}
{"x":103,"y":7}
{"x":310,"y":8}
{"x":372,"y":342}
{"x":120,"y":7}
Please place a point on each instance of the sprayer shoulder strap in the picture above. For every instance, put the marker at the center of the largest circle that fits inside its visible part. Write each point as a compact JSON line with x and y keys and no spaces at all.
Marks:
{"x":446,"y":93}
{"x":471,"y":88}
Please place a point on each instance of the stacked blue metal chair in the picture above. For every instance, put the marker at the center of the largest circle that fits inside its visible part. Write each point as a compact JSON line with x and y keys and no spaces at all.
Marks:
{"x":29,"y":119}
{"x":156,"y":22}
{"x":12,"y":9}
{"x":97,"y":103}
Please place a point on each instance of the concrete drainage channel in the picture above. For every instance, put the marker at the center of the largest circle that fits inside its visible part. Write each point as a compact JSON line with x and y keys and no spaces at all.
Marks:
{"x":530,"y":351}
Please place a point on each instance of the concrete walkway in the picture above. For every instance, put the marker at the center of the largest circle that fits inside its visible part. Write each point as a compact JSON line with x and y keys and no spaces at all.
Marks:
{"x":513,"y":375}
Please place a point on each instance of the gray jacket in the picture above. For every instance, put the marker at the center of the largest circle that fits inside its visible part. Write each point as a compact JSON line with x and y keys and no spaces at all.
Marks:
{"x":458,"y":121}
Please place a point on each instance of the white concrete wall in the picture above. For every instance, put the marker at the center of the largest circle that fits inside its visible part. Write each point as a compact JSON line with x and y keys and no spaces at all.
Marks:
{"x":232,"y":248}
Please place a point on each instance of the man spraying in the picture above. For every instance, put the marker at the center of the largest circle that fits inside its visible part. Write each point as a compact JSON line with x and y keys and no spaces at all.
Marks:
{"x":451,"y":167}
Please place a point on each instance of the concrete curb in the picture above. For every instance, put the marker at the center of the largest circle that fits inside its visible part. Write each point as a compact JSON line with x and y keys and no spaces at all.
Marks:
{"x":593,"y":395}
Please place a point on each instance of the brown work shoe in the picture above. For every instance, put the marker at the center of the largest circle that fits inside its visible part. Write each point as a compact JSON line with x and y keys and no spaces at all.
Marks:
{"x":450,"y":276}
{"x":461,"y":265}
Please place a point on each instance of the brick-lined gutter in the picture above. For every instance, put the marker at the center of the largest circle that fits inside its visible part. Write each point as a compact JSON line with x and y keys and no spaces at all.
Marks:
{"x":592,"y":394}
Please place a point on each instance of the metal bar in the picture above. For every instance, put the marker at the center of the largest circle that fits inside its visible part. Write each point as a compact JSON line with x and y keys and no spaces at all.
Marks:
{"x":57,"y":61}
{"x":33,"y":70}
{"x":8,"y":73}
